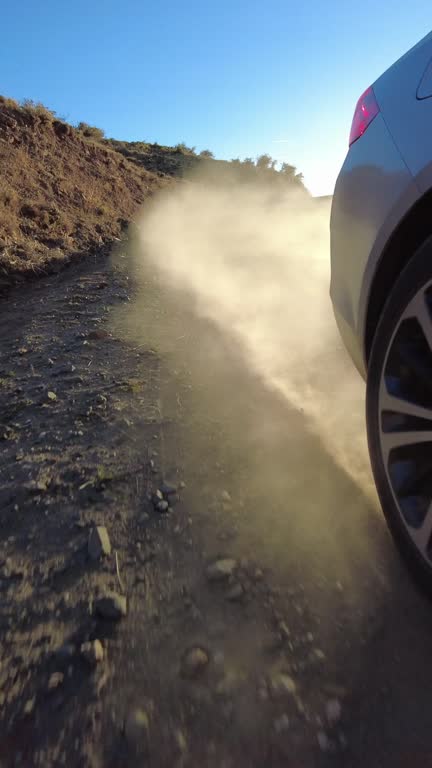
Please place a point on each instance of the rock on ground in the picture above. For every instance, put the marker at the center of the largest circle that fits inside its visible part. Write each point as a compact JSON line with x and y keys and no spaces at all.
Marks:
{"x":136,"y":729}
{"x":194,"y":662}
{"x":111,"y":606}
{"x":333,"y":711}
{"x":221,"y":569}
{"x":92,"y":652}
{"x":281,"y":684}
{"x":55,"y":681}
{"x":99,"y":543}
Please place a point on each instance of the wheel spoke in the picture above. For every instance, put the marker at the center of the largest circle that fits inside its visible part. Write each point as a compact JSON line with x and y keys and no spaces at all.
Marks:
{"x":422,"y":535}
{"x":392,"y":440}
{"x":405,"y":408}
{"x":418,"y":308}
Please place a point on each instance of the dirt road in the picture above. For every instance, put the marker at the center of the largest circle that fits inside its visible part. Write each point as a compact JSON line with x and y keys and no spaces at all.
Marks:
{"x":267,"y":620}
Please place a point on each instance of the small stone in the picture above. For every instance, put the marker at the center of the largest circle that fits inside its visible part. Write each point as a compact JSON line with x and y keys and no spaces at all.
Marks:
{"x":51,"y":396}
{"x":98,"y":543}
{"x":235,"y":593}
{"x":317,"y":656}
{"x":156,"y":498}
{"x":62,"y":370}
{"x":333,"y":711}
{"x":36,"y":486}
{"x":323,"y":741}
{"x":111,"y":606}
{"x":281,"y":724}
{"x":136,"y":729}
{"x":167,"y":489}
{"x":180,"y":741}
{"x":221,"y":570}
{"x":7,"y":433}
{"x":162,"y":506}
{"x":98,"y":335}
{"x":194,"y":662}
{"x":29,"y":707}
{"x":283,"y":630}
{"x":225,"y":496}
{"x":55,"y":681}
{"x":282,"y":684}
{"x":92,"y":652}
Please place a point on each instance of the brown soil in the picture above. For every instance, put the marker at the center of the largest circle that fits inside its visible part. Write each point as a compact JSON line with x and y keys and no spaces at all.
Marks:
{"x":85,"y":443}
{"x":290,"y":659}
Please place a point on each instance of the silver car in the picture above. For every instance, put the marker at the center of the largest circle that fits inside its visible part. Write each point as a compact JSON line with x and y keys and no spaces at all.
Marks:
{"x":381,"y":288}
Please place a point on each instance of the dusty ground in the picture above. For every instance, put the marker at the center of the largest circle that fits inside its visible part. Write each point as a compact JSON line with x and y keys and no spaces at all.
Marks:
{"x":311,"y":649}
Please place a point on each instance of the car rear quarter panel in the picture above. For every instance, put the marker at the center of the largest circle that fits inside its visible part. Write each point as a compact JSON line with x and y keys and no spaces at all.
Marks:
{"x":373,"y":192}
{"x":408,"y":118}
{"x":385,"y":173}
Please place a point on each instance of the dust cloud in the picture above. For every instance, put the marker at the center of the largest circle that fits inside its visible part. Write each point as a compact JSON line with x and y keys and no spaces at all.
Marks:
{"x":255,"y":264}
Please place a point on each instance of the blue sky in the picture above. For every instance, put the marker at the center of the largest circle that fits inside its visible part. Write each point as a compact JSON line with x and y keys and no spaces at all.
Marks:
{"x":239,"y":77}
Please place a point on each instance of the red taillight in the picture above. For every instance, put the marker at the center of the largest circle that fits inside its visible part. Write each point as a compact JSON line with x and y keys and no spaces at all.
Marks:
{"x":366,"y":109}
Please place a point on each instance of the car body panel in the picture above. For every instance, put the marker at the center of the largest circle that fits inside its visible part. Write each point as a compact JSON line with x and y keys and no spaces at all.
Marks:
{"x":384,"y":174}
{"x":373,"y":191}
{"x":424,"y":91}
{"x":408,"y":118}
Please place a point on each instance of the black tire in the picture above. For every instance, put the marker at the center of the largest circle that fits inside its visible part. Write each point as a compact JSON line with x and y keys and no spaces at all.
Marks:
{"x":416,"y":274}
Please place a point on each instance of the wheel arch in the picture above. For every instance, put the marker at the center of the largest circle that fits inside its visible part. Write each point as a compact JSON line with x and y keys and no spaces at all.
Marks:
{"x":413,"y":230}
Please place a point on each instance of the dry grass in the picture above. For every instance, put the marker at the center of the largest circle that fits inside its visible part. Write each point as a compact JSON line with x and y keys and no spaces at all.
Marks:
{"x":8,"y":103}
{"x":90,"y":131}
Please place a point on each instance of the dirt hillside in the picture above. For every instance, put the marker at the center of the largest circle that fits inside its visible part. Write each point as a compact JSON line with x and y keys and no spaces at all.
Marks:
{"x":61,"y":193}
